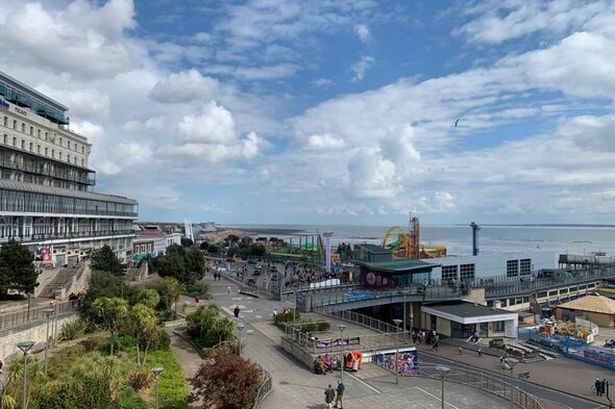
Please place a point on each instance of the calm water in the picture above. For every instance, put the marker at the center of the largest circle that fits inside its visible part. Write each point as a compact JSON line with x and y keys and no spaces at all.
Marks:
{"x":493,"y":239}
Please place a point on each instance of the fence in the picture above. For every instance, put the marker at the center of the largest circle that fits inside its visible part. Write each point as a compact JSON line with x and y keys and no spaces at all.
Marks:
{"x":264,"y":389}
{"x":15,"y":319}
{"x":360,"y":319}
{"x":572,"y":348}
{"x":480,"y":380}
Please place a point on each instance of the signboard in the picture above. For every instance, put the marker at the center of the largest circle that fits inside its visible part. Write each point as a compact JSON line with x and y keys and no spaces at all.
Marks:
{"x":407,"y":362}
{"x":330,"y":343}
{"x":4,"y":104}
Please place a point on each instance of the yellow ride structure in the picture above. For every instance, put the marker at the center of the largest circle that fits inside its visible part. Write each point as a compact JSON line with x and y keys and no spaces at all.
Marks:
{"x":406,"y":244}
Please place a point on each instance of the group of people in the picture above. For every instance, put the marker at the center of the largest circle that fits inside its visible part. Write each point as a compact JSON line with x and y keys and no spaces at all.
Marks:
{"x":601,"y":386}
{"x":334,"y":397}
{"x":326,"y":364}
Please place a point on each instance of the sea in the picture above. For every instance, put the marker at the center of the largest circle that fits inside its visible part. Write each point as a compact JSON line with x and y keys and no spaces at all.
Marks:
{"x":493,"y":239}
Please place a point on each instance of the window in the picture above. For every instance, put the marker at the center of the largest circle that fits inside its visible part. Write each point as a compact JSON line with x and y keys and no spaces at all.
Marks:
{"x":82,"y":162}
{"x":68,"y":144}
{"x":46,"y":135}
{"x":23,"y":127}
{"x":53,"y":153}
{"x":542,"y":294}
{"x":14,"y":141}
{"x":14,"y":124}
{"x":60,"y":141}
{"x":512,"y":268}
{"x":498,"y":326}
{"x":467,"y":272}
{"x":46,"y":151}
{"x":31,"y":146}
{"x":38,"y":149}
{"x":38,"y":133}
{"x":83,"y":149}
{"x":6,"y":120}
{"x":525,"y":266}
{"x":449,"y":273}
{"x":68,"y":158}
{"x":23,"y":144}
{"x":5,"y":139}
{"x":32,"y":131}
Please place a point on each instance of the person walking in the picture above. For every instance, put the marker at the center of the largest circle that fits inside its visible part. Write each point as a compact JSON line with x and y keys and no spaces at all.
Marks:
{"x":460,"y":350}
{"x":598,"y":386}
{"x":236,"y":311}
{"x":340,"y":395}
{"x":228,"y":289}
{"x":329,"y":396}
{"x":479,"y":352}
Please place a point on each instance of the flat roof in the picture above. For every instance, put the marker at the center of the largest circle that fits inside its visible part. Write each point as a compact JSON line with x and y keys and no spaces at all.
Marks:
{"x":20,"y":85}
{"x":396,"y":266}
{"x":468,"y":313}
{"x":373,"y":248}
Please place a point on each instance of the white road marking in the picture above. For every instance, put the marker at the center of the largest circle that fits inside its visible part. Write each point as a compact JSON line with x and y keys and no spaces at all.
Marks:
{"x":435,"y":397}
{"x":259,"y":317}
{"x":365,"y":383}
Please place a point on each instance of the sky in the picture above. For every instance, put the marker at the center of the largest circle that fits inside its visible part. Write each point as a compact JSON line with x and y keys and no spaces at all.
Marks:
{"x":334,"y":111}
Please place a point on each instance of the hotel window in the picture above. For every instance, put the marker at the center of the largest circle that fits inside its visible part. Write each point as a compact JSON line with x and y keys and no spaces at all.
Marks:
{"x":14,"y":141}
{"x":467,"y":272}
{"x":14,"y":124}
{"x":5,"y":139}
{"x":68,"y":158}
{"x":449,"y":273}
{"x":68,"y":144}
{"x":38,"y":149}
{"x":6,"y":120}
{"x":83,"y":149}
{"x":46,"y":151}
{"x":38,"y":133}
{"x":525,"y":266}
{"x":498,"y":326}
{"x":60,"y":141}
{"x":60,"y":155}
{"x":46,"y":135}
{"x":31,"y":146}
{"x":53,"y":153}
{"x":23,"y":127}
{"x":23,"y":144}
{"x":31,"y":131}
{"x":512,"y":268}
{"x":82,"y":162}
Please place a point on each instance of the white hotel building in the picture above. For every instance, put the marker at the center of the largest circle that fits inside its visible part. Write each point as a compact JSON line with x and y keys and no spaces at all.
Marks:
{"x":46,"y":197}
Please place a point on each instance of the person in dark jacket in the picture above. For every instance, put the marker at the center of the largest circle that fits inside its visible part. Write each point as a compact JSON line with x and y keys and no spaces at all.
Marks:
{"x":340,"y":395}
{"x":329,"y":396}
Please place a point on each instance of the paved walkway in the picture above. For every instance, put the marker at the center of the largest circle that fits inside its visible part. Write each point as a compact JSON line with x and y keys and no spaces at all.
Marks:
{"x":296,"y":387}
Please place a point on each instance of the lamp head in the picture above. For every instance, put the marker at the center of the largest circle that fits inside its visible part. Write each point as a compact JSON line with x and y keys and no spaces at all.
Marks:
{"x":156,"y":371}
{"x":25,"y":346}
{"x":240,"y":326}
{"x":397,"y":321}
{"x":443,"y":370}
{"x":341,"y":327}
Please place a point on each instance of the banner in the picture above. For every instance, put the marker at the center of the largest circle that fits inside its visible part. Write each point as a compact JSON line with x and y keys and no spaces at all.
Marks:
{"x":407,"y":362}
{"x":329,"y":343}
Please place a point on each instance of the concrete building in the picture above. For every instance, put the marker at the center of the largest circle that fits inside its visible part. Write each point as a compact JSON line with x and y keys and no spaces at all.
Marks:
{"x":46,"y":197}
{"x":151,"y":241}
{"x":595,"y":308}
{"x":484,"y":266}
{"x":460,"y":319}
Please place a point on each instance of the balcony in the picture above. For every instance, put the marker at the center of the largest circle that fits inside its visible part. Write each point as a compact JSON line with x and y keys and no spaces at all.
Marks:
{"x":67,"y":235}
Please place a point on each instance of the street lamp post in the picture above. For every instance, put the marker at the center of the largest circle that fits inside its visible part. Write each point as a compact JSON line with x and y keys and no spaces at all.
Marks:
{"x":156,"y":371}
{"x":240,"y":327}
{"x":25,"y":346}
{"x":48,"y":312}
{"x":397,"y":321}
{"x":442,"y":370}
{"x":510,"y":363}
{"x":342,"y":327}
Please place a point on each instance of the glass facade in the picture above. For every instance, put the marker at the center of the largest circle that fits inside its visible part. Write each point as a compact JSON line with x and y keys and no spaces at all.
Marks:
{"x":16,"y":201}
{"x":24,"y":99}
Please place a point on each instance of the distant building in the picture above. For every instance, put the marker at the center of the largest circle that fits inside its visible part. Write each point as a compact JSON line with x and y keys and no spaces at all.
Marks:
{"x":46,"y":198}
{"x":595,"y":308}
{"x":470,"y":268}
{"x":152,"y":241}
{"x":371,"y":253}
{"x":462,"y":319}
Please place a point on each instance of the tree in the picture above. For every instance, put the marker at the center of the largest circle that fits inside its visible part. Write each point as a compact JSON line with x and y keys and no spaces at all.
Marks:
{"x":111,"y":313}
{"x":141,"y":324}
{"x":212,"y":249}
{"x":17,"y":270}
{"x":186,"y":265}
{"x":186,"y":242}
{"x":208,"y":327}
{"x":225,"y":381}
{"x":204,"y":245}
{"x":104,"y":259}
{"x":148,"y":297}
{"x":169,"y":289}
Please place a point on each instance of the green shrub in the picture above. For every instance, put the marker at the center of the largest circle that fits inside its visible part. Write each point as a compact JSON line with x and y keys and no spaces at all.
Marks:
{"x":73,"y":329}
{"x":323,"y":326}
{"x":197,"y":289}
{"x":292,"y":315}
{"x":139,"y":380}
{"x":62,"y":396}
{"x":161,"y":340}
{"x":173,"y":386}
{"x":93,"y":342}
{"x":62,"y":360}
{"x":129,"y":399}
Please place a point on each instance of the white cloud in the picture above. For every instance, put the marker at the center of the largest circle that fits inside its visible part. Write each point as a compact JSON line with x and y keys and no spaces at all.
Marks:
{"x":214,"y":125}
{"x":363,"y":33}
{"x":360,"y":67}
{"x":502,"y":20}
{"x":266,"y":72}
{"x":83,"y":102}
{"x":323,"y":83}
{"x":324,"y":142}
{"x":157,"y":123}
{"x":185,"y":86}
{"x":81,"y":40}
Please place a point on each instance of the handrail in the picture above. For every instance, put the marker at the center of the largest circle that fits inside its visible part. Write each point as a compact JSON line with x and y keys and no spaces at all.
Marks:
{"x":480,"y":380}
{"x":264,"y":389}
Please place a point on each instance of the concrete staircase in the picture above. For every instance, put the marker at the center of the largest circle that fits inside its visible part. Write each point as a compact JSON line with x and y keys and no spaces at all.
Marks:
{"x":64,"y":281}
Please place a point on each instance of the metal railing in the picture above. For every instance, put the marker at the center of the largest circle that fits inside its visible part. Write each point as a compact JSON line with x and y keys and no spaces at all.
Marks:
{"x":264,"y":389}
{"x":360,"y":319}
{"x":22,"y":317}
{"x":480,"y":380}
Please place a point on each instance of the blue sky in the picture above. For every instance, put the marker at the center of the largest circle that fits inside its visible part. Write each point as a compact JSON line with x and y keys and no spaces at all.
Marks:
{"x":334,"y":111}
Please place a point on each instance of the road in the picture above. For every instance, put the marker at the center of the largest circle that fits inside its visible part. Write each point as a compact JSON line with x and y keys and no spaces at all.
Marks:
{"x":562,"y":399}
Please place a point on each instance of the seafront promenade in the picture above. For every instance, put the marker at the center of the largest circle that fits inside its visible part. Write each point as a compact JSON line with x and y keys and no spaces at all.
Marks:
{"x":295,"y":386}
